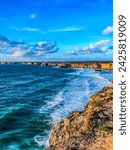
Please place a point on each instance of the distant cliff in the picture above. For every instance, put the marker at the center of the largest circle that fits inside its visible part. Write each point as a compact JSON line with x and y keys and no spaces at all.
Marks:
{"x":95,"y":65}
{"x":89,"y":64}
{"x":90,"y":129}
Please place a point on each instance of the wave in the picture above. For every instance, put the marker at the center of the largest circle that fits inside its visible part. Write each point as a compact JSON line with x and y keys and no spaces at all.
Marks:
{"x":42,"y":139}
{"x":72,"y":97}
{"x":57,"y":99}
{"x":56,"y":67}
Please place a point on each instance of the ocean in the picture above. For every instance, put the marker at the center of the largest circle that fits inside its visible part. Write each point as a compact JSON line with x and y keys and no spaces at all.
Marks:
{"x":33,"y":98}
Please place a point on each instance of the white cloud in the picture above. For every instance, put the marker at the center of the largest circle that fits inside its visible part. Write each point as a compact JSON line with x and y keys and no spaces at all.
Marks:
{"x":66,"y":29}
{"x":97,"y":47}
{"x":32,"y":16}
{"x":41,"y":43}
{"x":18,"y":52}
{"x":3,"y":43}
{"x":104,"y":49}
{"x":30,"y":29}
{"x":46,"y":47}
{"x":108,"y":30}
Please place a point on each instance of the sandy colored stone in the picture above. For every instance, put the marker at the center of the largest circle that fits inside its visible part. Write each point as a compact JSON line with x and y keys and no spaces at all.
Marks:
{"x":90,"y":129}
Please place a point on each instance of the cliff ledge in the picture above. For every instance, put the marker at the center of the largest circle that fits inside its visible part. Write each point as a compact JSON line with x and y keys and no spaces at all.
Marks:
{"x":90,"y":129}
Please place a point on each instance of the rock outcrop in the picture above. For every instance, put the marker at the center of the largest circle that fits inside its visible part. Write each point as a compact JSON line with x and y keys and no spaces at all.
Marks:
{"x":94,"y":65}
{"x":90,"y":129}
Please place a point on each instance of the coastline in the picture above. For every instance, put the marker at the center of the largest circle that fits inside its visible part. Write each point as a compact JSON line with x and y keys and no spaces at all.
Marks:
{"x":90,"y":129}
{"x":78,"y":85}
{"x":105,"y":65}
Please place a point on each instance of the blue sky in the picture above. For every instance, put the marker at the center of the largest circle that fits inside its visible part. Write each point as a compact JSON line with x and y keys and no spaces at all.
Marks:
{"x":56,"y":30}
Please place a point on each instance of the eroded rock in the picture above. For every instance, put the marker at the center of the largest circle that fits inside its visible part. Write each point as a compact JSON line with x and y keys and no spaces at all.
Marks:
{"x":90,"y":129}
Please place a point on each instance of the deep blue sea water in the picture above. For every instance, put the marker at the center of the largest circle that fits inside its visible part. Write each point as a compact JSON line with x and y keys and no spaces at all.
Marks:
{"x":34,"y":98}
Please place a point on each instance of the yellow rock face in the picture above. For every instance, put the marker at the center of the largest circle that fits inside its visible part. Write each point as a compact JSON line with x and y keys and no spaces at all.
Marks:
{"x":99,"y":65}
{"x":90,"y":129}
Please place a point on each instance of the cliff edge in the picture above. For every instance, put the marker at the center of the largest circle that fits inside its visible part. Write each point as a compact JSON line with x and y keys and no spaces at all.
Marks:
{"x":90,"y":129}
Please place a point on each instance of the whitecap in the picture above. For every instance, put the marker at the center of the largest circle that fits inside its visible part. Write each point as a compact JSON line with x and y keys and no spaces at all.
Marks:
{"x":72,"y":97}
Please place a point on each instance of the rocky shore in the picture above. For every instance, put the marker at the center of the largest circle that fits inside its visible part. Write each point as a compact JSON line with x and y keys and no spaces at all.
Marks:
{"x":90,"y":129}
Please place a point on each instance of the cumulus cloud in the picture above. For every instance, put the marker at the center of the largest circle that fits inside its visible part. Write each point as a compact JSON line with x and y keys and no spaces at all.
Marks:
{"x":108,"y":30}
{"x":5,"y":42}
{"x":47,"y":47}
{"x":19,"y":49}
{"x":18,"y":53}
{"x":98,"y":47}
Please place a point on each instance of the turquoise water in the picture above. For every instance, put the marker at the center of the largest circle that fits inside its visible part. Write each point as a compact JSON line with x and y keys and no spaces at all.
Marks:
{"x":34,"y":98}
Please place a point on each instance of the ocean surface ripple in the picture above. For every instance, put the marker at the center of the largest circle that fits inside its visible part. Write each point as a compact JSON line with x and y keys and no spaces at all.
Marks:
{"x":34,"y":98}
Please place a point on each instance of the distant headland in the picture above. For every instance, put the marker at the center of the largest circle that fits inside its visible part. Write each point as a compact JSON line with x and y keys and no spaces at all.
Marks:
{"x":107,"y":65}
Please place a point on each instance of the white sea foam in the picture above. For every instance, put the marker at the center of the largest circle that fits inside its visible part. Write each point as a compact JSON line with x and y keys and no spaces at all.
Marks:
{"x":53,"y":103}
{"x":42,"y":139}
{"x":72,"y":97}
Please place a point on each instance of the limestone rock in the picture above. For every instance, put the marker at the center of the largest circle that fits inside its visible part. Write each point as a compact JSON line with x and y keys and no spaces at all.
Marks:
{"x":90,"y":129}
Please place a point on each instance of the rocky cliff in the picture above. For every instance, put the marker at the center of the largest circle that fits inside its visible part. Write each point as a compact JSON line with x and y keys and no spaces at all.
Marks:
{"x":90,"y":129}
{"x":94,"y":65}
